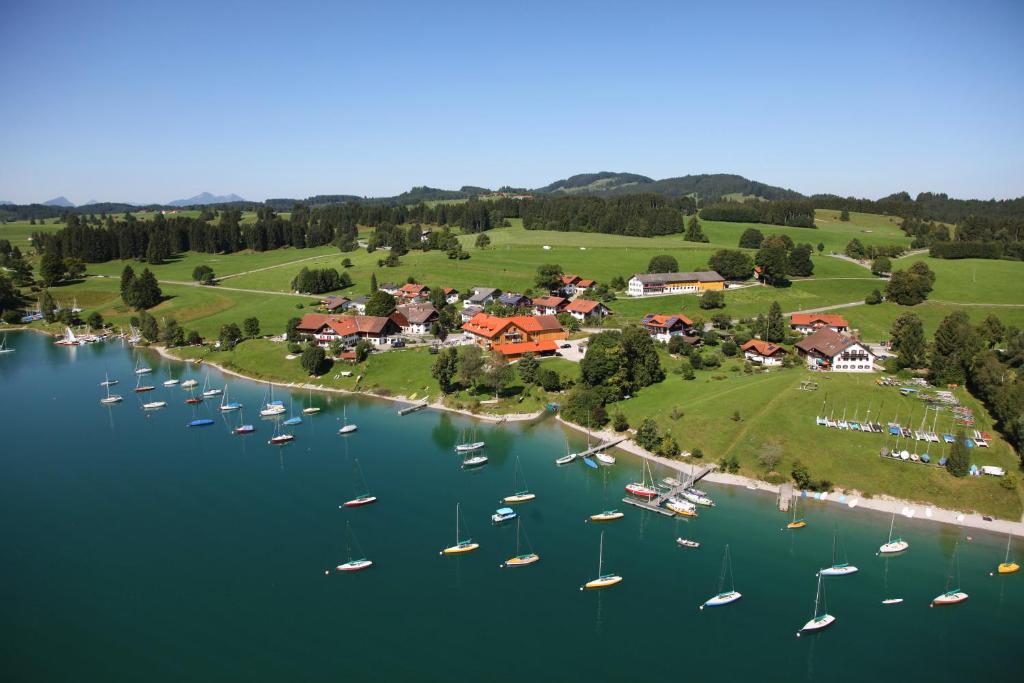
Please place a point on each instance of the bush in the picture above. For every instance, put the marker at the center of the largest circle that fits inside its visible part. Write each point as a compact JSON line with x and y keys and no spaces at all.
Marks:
{"x":294,"y":347}
{"x":619,"y":422}
{"x":647,"y":436}
{"x":712,"y":299}
{"x":697,"y":453}
{"x":548,"y":379}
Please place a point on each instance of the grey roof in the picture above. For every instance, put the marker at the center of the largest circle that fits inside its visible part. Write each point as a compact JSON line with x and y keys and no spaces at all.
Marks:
{"x":662,"y":278}
{"x":481,"y":293}
{"x":418,"y":314}
{"x":826,"y":342}
{"x":361,"y":300}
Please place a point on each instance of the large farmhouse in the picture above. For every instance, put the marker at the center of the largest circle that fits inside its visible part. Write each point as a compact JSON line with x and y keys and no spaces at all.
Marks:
{"x":416,"y":318}
{"x":664,"y":327}
{"x":829,"y":350}
{"x":647,"y":284}
{"x":514,"y":336}
{"x":326,"y":329}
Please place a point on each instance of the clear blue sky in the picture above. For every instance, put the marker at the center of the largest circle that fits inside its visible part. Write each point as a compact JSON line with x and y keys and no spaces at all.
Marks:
{"x":152,"y":101}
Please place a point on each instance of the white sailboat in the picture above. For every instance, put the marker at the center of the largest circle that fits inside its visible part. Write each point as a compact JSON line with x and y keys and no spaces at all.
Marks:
{"x":357,"y":561}
{"x":522,"y":494}
{"x":227,"y":406}
{"x":310,"y":409}
{"x":110,"y":398}
{"x":567,"y":458}
{"x":837,"y":569}
{"x":821,"y":619}
{"x":603,"y":580}
{"x":346,"y":428}
{"x":469,"y":446}
{"x":3,"y":346}
{"x":724,"y":597}
{"x":952,"y":596}
{"x":893,"y":545}
{"x":272,"y":407}
{"x":141,"y":369}
{"x":207,"y":391}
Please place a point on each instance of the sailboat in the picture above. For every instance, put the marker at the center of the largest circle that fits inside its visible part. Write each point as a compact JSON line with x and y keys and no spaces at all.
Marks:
{"x":724,"y":597}
{"x":154,"y":405}
{"x":354,"y":563}
{"x":279,"y":437}
{"x":567,"y":458}
{"x":521,"y":559}
{"x":952,"y":596}
{"x":523,"y":494}
{"x":107,"y":382}
{"x":141,"y":369}
{"x":840,"y":569}
{"x":272,"y":407}
{"x":227,"y":406}
{"x":470,"y":446}
{"x":173,"y":381}
{"x":462,"y":545}
{"x":363,"y":496}
{"x":110,"y":398}
{"x":207,"y":391}
{"x":474,"y":461}
{"x":201,"y":422}
{"x":607,"y":516}
{"x":3,"y":346}
{"x":796,"y":523}
{"x":140,"y":387}
{"x":893,"y":545}
{"x":69,"y":339}
{"x":346,"y":428}
{"x":642,"y":489}
{"x":310,"y":409}
{"x":603,"y":580}
{"x":1007,"y":567}
{"x":820,"y":619}
{"x":294,"y":419}
{"x":243,"y":428}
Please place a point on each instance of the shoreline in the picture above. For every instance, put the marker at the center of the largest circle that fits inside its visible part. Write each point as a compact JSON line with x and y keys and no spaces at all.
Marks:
{"x":881,"y":503}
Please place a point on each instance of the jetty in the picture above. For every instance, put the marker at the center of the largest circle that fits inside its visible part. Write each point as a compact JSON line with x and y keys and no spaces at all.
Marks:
{"x":412,"y":408}
{"x":600,"y":447}
{"x":785,"y":496}
{"x":654,"y":505}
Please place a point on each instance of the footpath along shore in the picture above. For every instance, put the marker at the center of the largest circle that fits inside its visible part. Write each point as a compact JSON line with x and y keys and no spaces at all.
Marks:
{"x":881,"y":503}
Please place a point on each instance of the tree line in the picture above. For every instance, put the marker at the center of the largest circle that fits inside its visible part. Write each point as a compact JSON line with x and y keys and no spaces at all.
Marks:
{"x":791,"y":212}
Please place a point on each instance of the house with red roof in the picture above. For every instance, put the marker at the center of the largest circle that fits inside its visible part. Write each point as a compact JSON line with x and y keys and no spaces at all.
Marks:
{"x":513,"y":336}
{"x":549,"y":305}
{"x":574,"y":284}
{"x":806,"y":323}
{"x":664,"y":327}
{"x":451,"y":295}
{"x":326,"y":329}
{"x":413,"y":292}
{"x":763,"y":353}
{"x":583,"y":309}
{"x":826,"y":349}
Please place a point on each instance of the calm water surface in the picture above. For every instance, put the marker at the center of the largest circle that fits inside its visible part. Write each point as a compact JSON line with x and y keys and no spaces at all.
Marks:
{"x":136,"y":548}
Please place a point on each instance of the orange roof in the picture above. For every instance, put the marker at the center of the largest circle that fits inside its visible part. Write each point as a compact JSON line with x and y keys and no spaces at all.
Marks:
{"x":569,"y":279}
{"x":549,"y":301}
{"x":658,"y":320}
{"x":582,"y":306}
{"x":585,"y":283}
{"x":344,"y":325}
{"x":412,"y":289}
{"x":762,"y":348}
{"x":519,"y":348}
{"x":536,"y":323}
{"x":490,"y":326}
{"x":823,"y":318}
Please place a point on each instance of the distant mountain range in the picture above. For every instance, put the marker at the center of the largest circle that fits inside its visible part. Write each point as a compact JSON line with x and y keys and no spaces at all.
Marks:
{"x":205,"y":198}
{"x":706,"y":186}
{"x":60,"y":201}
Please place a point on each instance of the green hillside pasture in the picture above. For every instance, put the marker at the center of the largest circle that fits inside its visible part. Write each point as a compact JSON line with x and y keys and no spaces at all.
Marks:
{"x":773,"y":409}
{"x":181,"y":267}
{"x":975,"y":281}
{"x":874,"y":322}
{"x":18,"y":233}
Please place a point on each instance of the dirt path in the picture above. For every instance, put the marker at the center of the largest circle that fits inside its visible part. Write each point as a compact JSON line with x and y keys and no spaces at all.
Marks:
{"x":214,"y":288}
{"x":278,"y":265}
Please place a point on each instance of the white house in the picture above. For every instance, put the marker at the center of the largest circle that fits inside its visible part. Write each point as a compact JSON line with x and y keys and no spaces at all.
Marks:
{"x":416,"y":318}
{"x":664,"y":327}
{"x":648,"y":284}
{"x":582,"y":309}
{"x":805,"y":323}
{"x":763,"y":353}
{"x":829,"y":350}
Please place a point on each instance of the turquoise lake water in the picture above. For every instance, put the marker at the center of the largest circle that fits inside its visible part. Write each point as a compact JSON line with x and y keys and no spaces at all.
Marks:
{"x":138,"y":549}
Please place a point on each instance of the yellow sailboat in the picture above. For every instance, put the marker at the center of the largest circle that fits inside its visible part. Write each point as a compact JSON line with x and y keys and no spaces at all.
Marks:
{"x":796,"y":523}
{"x":521,"y":559}
{"x":607,"y":516}
{"x":603,"y":580}
{"x":1007,"y":567}
{"x":461,"y":545}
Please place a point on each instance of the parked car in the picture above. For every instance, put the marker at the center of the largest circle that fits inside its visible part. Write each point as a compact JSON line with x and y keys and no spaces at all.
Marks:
{"x":565,"y":346}
{"x":398,"y":344}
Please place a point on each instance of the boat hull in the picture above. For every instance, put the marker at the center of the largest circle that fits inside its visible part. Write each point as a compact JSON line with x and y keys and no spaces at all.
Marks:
{"x":519,"y":498}
{"x":605,"y":459}
{"x":818,"y":623}
{"x":565,"y":459}
{"x":522,"y":560}
{"x":951,"y":598}
{"x":359,"y":502}
{"x":469,"y":447}
{"x":893,"y":547}
{"x":347,"y":429}
{"x":681,"y":510}
{"x":111,"y":401}
{"x":154,"y":406}
{"x":838,"y":570}
{"x":607,"y":516}
{"x":796,"y":525}
{"x":603,"y":582}
{"x":460,"y":549}
{"x":245,"y":429}
{"x":640,"y":490}
{"x":687,"y":543}
{"x":310,"y":411}
{"x":722,"y":599}
{"x":475,"y":462}
{"x":279,"y":440}
{"x":1008,"y":568}
{"x":354,"y":566}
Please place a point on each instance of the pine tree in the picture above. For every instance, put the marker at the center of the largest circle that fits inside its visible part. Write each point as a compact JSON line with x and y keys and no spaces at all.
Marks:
{"x":693,"y":231}
{"x":127,"y":282}
{"x":775,"y":327}
{"x":956,"y":343}
{"x":373,"y":283}
{"x":959,"y":462}
{"x":908,"y":341}
{"x":47,"y":306}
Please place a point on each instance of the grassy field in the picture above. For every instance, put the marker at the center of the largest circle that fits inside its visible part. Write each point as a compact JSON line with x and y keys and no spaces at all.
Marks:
{"x":973,"y":280}
{"x":773,"y":409}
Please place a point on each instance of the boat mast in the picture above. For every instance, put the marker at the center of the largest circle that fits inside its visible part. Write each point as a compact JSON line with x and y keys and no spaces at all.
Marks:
{"x":600,"y":557}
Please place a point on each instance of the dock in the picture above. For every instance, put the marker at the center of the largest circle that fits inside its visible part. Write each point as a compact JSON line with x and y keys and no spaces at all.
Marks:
{"x":785,"y":496}
{"x":600,"y":447}
{"x":412,"y":408}
{"x":654,"y":505}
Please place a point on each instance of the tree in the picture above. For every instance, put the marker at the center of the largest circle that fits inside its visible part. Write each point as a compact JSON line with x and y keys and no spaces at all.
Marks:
{"x":855,"y":249}
{"x":380,"y":303}
{"x":193,"y":338}
{"x":992,"y":330}
{"x":252,"y":327}
{"x":955,"y":346}
{"x":663,"y":263}
{"x":881,"y":266}
{"x":149,"y":327}
{"x":732,"y":264}
{"x":172,"y":334}
{"x":770,"y":455}
{"x":874,"y":298}
{"x":527,"y":366}
{"x":95,"y":320}
{"x":373,"y":283}
{"x":48,"y":306}
{"x":314,"y":359}
{"x":844,"y":215}
{"x":821,"y":247}
{"x":362,"y":350}
{"x":127,"y":280}
{"x":774,"y":263}
{"x":74,"y":268}
{"x":548,"y":379}
{"x":959,"y":461}
{"x":483,"y":241}
{"x":499,"y":374}
{"x":203,"y":273}
{"x":51,"y":269}
{"x":667,"y":447}
{"x":619,"y":421}
{"x":800,"y":263}
{"x":617,"y":283}
{"x":471,"y":365}
{"x":584,"y":406}
{"x":446,"y":365}
{"x":693,"y":231}
{"x":775,"y":326}
{"x":751,"y":239}
{"x":145,"y":291}
{"x":712,"y":299}
{"x":229,"y":335}
{"x":549,"y":277}
{"x":647,"y":435}
{"x":291,"y":329}
{"x":801,"y":475}
{"x":346,"y":263}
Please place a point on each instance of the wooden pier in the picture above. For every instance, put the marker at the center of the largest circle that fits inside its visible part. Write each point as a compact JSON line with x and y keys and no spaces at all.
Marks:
{"x":600,"y":447}
{"x":413,"y":408}
{"x":785,"y":496}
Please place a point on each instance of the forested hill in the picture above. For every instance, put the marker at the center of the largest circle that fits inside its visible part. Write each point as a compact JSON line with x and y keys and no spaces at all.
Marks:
{"x":707,"y":186}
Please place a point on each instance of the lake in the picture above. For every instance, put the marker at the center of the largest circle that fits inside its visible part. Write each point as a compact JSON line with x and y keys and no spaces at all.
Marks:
{"x":137,"y":548}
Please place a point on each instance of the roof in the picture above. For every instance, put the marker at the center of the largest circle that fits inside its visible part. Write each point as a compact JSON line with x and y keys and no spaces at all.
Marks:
{"x":389,"y":285}
{"x":481,"y":293}
{"x":549,"y":301}
{"x":826,"y":342}
{"x":762,"y":348}
{"x":413,"y":289}
{"x":519,"y":348}
{"x":332,"y":302}
{"x":513,"y":298}
{"x":449,"y":290}
{"x":814,"y":318}
{"x":663,"y":278}
{"x":537,"y":323}
{"x":584,"y":283}
{"x":569,"y":279}
{"x":361,"y":300}
{"x":666,"y":321}
{"x":417,"y":314}
{"x":583,"y":306}
{"x":344,"y":325}
{"x":490,"y":326}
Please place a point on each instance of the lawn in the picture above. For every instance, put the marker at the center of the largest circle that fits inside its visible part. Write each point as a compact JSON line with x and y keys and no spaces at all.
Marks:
{"x":772,"y":408}
{"x":984,"y":281}
{"x":875,"y":322}
{"x":181,"y":267}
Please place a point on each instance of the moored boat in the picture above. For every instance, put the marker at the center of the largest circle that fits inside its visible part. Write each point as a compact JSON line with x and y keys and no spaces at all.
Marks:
{"x":1006,"y":566}
{"x":723,"y":597}
{"x":893,"y":545}
{"x":503,"y":515}
{"x":681,"y":507}
{"x":820,"y":619}
{"x":202,"y":422}
{"x":603,"y":580}
{"x":170,"y":382}
{"x":687,"y":543}
{"x":605,"y":458}
{"x":521,"y":559}
{"x":475,"y":461}
{"x":607,"y":516}
{"x":356,"y":561}
{"x":154,"y":405}
{"x":462,"y":545}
